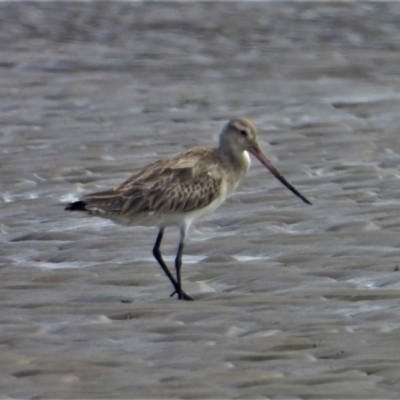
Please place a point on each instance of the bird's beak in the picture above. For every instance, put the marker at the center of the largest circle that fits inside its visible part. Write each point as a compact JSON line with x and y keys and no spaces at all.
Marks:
{"x":256,"y":151}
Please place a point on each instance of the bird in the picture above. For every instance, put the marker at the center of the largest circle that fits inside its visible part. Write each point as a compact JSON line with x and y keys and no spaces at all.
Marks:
{"x":180,"y":189}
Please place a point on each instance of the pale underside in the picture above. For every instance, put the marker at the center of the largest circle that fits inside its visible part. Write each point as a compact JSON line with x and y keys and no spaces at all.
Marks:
{"x":171,"y":192}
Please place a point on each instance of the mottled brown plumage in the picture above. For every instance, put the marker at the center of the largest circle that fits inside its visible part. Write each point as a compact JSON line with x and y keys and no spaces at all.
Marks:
{"x":177,"y":190}
{"x":178,"y":184}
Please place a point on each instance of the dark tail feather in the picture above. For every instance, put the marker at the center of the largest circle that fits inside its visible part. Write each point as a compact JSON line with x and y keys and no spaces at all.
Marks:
{"x":76,"y":206}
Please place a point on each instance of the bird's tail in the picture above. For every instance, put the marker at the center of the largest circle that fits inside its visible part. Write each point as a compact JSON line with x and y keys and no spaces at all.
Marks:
{"x":76,"y":206}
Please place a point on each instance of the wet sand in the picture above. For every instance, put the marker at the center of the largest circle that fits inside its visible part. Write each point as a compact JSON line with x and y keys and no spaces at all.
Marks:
{"x":292,"y":301}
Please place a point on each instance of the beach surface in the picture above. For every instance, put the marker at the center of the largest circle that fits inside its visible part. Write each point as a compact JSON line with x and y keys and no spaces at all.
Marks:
{"x":292,"y":301}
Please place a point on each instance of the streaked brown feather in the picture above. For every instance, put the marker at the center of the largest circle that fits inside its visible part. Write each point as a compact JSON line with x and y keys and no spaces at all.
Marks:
{"x":178,"y":184}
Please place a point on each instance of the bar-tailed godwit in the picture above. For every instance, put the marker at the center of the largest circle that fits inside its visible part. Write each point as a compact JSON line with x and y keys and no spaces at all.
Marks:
{"x":177,"y":190}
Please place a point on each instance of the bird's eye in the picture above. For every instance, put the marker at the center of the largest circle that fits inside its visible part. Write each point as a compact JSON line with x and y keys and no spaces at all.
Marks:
{"x":243,"y":132}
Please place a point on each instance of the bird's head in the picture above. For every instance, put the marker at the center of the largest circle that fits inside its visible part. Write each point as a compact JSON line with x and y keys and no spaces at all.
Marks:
{"x":240,"y":135}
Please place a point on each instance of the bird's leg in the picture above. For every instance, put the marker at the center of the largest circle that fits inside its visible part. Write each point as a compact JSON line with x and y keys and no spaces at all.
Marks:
{"x":158,"y":257}
{"x":178,"y":263}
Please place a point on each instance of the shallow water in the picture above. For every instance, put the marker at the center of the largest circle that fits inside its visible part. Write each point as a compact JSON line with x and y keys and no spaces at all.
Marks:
{"x":293,"y":301}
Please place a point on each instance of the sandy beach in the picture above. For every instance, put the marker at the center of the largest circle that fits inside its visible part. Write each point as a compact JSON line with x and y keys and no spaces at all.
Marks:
{"x":292,"y":301}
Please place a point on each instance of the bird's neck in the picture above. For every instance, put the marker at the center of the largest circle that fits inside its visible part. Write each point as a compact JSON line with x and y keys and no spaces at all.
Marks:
{"x":238,"y":162}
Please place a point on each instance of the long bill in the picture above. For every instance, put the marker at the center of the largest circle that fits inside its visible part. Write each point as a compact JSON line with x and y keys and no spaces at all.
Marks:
{"x":264,"y":160}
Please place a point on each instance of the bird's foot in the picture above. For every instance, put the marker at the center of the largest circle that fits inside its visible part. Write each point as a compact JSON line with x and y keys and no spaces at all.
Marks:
{"x":183,"y":295}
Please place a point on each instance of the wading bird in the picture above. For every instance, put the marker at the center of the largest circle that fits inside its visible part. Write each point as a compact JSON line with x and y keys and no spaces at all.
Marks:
{"x":177,"y":190}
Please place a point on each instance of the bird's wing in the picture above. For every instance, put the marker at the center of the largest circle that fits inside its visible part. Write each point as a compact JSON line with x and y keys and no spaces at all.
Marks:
{"x":177,"y":184}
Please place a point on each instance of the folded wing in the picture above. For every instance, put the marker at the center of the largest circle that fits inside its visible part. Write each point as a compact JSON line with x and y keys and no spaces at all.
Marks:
{"x":178,"y":184}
